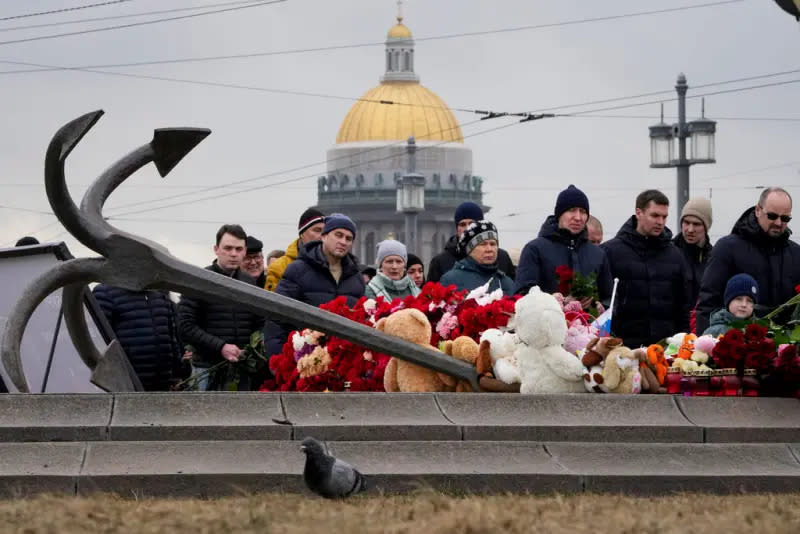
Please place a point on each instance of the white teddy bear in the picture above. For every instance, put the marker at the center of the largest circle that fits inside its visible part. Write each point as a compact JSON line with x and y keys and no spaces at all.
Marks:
{"x":502,"y":348}
{"x":544,"y":365}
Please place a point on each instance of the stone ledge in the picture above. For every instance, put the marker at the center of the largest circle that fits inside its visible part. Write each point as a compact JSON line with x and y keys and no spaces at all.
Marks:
{"x":198,"y":416}
{"x":368,"y":416}
{"x":575,"y":417}
{"x":743,"y":419}
{"x":30,"y":468}
{"x":54,"y":417}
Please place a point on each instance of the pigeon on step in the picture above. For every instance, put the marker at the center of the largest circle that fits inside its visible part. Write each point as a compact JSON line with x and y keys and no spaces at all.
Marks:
{"x":327,"y":476}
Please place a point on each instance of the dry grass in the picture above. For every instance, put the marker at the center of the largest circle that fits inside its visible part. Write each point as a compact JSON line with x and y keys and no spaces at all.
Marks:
{"x":427,"y":512}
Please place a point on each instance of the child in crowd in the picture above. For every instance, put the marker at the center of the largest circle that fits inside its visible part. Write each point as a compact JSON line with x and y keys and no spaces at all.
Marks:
{"x":741,"y":296}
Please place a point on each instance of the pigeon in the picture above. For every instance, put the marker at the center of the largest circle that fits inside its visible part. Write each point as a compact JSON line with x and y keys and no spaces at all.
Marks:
{"x":327,"y":476}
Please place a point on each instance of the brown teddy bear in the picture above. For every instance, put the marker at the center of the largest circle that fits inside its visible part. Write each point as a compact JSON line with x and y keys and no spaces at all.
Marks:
{"x":400,"y":375}
{"x":593,"y":359}
{"x":621,"y":371}
{"x":465,"y":348}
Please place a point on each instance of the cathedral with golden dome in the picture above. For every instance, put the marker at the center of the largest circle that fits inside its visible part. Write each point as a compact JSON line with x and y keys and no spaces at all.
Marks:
{"x":371,"y":156}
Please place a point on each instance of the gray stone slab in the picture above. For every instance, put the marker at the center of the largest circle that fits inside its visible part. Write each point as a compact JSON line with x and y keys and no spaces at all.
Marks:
{"x":744,"y":419}
{"x":473,"y":467}
{"x":31,"y":468}
{"x":368,"y":416}
{"x":659,"y":468}
{"x":54,"y":417}
{"x":198,"y":416}
{"x":569,"y":417}
{"x":198,"y":468}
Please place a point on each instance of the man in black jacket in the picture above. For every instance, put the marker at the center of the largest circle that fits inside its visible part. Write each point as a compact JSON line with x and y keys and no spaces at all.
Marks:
{"x":652,"y":299}
{"x":466,"y":214}
{"x":563,"y":240}
{"x":759,"y":245}
{"x":218,"y":330}
{"x":324,"y":270}
{"x":693,"y":242}
{"x":145,"y":323}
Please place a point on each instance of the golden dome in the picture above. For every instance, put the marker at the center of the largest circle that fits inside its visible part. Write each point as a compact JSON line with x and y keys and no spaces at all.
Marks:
{"x":429,"y":119}
{"x":399,"y":30}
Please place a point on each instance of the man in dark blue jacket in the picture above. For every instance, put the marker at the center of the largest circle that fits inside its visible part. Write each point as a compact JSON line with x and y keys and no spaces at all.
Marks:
{"x":694,"y":242}
{"x":220,"y":330}
{"x":759,"y":245}
{"x":563,"y":240}
{"x":146,"y":326}
{"x":323,"y":270}
{"x":652,"y":299}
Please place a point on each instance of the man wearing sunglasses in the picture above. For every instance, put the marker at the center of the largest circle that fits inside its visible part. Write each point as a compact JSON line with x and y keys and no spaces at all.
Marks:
{"x":759,"y":245}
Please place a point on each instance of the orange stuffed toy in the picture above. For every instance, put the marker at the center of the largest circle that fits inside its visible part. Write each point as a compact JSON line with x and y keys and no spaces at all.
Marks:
{"x":657,"y":362}
{"x":687,"y":347}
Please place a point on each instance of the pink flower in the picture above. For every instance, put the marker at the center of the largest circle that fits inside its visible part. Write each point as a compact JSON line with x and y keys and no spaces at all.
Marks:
{"x":446,"y":325}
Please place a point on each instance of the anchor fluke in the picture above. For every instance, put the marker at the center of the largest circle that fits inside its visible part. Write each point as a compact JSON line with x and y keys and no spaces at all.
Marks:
{"x":170,"y":145}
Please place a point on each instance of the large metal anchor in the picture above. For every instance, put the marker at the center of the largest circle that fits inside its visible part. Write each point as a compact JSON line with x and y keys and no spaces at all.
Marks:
{"x":135,"y":263}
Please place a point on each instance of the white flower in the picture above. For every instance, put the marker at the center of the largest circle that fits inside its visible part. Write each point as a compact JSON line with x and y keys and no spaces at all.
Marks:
{"x":483,"y":297}
{"x":298,"y":341}
{"x":369,"y":306}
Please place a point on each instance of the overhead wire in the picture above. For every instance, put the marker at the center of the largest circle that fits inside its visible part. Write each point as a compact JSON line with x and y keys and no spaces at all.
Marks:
{"x":141,"y":23}
{"x":418,"y":39}
{"x":125,"y":15}
{"x":63,"y":10}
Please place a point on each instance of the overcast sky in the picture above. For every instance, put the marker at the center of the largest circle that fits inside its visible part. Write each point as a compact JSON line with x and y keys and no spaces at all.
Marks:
{"x":259,"y":133}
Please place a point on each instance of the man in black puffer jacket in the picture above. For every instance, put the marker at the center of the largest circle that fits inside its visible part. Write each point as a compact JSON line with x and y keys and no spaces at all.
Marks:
{"x":323,"y":271}
{"x":759,"y":245}
{"x":145,"y":324}
{"x":564,"y":240}
{"x":466,"y":213}
{"x":652,"y":299}
{"x":219,"y":330}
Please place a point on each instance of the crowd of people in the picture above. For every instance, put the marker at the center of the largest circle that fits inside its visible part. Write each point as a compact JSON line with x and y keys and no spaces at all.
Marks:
{"x":666,"y":283}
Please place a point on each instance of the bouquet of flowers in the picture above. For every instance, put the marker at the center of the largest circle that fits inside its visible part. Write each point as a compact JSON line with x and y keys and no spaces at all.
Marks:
{"x":574,"y":284}
{"x":312,"y":361}
{"x":230,"y":374}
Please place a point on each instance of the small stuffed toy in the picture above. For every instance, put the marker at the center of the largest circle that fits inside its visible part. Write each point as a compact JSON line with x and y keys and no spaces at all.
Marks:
{"x":593,"y":359}
{"x":544,"y":365}
{"x":656,"y":362}
{"x":673,"y":345}
{"x":464,"y":348}
{"x":650,"y":382}
{"x":413,"y":326}
{"x":501,"y":348}
{"x":621,"y":372}
{"x":703,"y":346}
{"x":687,"y":347}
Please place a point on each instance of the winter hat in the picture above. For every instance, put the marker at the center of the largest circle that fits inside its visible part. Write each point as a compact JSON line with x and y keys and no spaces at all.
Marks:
{"x":701,"y":208}
{"x":390,"y":247}
{"x":253,"y":245}
{"x":309,"y":218}
{"x":569,"y":198}
{"x":468,"y":210}
{"x":338,"y":220}
{"x":413,"y":259}
{"x":475,"y":234}
{"x":739,"y":285}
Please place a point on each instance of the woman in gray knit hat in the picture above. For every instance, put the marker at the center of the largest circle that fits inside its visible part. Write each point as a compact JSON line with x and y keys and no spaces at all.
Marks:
{"x":391,"y":281}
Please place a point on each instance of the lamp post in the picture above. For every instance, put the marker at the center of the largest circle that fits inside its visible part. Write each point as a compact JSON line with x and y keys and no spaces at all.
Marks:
{"x":411,"y":195}
{"x":662,"y":142}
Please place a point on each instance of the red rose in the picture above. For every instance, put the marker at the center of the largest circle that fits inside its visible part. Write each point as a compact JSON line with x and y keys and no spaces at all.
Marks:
{"x":755,"y":332}
{"x":797,"y":288}
{"x":564,"y":273}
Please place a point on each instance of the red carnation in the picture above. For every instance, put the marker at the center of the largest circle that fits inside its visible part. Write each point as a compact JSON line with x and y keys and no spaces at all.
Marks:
{"x":755,"y":332}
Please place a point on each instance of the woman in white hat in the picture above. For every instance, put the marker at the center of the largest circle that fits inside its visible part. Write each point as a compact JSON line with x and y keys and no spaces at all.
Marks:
{"x":391,"y":281}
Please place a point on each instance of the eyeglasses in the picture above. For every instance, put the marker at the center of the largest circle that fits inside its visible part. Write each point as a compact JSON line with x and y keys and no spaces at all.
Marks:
{"x":784,"y":218}
{"x":253,"y":258}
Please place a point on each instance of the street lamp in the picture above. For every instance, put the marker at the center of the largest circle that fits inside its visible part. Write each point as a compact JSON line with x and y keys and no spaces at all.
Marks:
{"x":411,"y":196}
{"x":701,"y":132}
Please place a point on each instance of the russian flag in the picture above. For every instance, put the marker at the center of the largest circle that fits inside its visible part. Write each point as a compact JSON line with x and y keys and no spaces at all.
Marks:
{"x":603,"y":321}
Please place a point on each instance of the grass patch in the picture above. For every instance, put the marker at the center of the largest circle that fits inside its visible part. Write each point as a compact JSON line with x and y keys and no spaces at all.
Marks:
{"x":425,"y":511}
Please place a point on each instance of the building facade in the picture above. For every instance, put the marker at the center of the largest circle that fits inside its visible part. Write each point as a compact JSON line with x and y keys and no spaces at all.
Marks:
{"x":370,"y":157}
